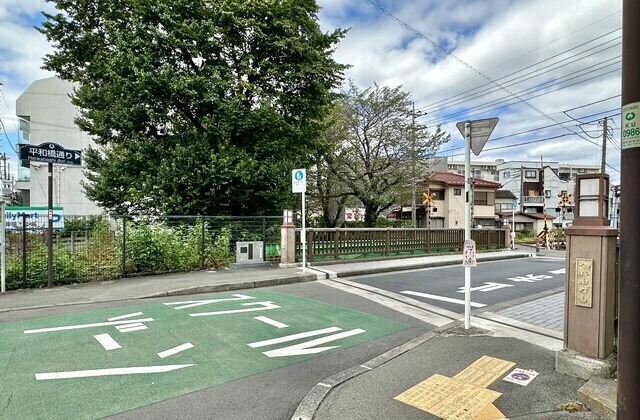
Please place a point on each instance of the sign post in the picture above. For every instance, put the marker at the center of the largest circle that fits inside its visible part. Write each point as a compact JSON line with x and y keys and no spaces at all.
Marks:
{"x":50,"y":153}
{"x":475,"y":133}
{"x":3,"y":250}
{"x":513,"y":223}
{"x":299,"y":185}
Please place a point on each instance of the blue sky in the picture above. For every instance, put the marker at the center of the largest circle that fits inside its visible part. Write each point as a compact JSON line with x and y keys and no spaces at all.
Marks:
{"x":532,"y":63}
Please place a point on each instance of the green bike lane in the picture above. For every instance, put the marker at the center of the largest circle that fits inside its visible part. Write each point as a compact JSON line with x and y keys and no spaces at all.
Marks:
{"x":99,"y":363}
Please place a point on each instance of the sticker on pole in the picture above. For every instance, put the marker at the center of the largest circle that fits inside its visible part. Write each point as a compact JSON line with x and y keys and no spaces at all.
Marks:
{"x":299,"y":180}
{"x":521,"y":376}
{"x":469,"y":253}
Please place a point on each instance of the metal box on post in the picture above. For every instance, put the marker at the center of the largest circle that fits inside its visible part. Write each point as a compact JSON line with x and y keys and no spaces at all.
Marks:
{"x":249,"y":252}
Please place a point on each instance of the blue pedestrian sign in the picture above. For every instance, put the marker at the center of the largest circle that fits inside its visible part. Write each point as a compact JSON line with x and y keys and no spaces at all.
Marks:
{"x":299,"y":180}
{"x":515,"y":203}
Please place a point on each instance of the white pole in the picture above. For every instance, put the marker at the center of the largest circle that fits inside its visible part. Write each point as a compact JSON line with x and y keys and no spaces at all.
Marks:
{"x":3,"y":259}
{"x":303,"y":236}
{"x":513,"y":227}
{"x":467,"y":222}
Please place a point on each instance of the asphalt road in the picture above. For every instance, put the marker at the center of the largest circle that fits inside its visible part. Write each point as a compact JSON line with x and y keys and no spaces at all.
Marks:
{"x":491,"y":282}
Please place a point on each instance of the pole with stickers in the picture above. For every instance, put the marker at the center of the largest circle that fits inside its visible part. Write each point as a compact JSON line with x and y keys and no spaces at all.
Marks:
{"x":3,"y":250}
{"x":299,"y":185}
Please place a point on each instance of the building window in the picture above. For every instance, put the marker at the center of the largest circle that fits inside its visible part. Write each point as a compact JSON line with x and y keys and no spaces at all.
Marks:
{"x":480,"y":198}
{"x":506,"y":174}
{"x":547,"y":193}
{"x":530,"y":174}
{"x":457,"y":191}
{"x":582,"y":170}
{"x":437,"y":194}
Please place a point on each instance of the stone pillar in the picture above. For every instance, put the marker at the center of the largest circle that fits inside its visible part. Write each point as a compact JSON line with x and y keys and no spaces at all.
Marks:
{"x":589,"y":311}
{"x":287,"y":240}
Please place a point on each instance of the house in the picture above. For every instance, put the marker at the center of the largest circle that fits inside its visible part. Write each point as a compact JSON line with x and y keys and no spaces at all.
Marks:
{"x":445,"y":208}
{"x":533,"y":222}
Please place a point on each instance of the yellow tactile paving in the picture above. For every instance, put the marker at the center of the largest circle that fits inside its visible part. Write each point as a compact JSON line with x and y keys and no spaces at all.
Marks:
{"x":448,"y":398}
{"x":484,"y":371}
{"x":463,"y":397}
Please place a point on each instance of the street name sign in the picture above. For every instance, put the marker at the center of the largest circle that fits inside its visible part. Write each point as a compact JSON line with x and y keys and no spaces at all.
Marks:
{"x":480,"y":132}
{"x":50,"y":153}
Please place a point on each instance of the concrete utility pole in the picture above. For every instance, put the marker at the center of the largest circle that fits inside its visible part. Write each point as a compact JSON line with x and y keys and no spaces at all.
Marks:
{"x":629,"y":288}
{"x":604,"y":146}
{"x":413,"y":166}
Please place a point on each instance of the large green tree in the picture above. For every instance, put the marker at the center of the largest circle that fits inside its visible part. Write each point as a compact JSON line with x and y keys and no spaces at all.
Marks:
{"x":198,"y":106}
{"x":378,"y":149}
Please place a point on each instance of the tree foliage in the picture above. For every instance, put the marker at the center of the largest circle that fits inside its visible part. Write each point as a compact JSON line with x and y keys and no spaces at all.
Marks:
{"x":197,"y":106}
{"x":377,"y":148}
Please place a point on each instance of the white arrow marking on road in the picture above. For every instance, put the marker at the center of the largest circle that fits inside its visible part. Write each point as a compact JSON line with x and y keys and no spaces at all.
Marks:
{"x":442,"y":298}
{"x":265,"y":306}
{"x":193,"y":303}
{"x":530,"y":278}
{"x":306,"y":348}
{"x":108,"y":372}
{"x":488,"y":286}
{"x":561,"y":271}
{"x":80,"y":326}
{"x":293,"y":337}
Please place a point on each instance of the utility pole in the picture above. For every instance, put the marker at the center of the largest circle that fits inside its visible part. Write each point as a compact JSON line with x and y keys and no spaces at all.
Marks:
{"x":604,"y":146}
{"x":413,"y":165}
{"x":629,"y":287}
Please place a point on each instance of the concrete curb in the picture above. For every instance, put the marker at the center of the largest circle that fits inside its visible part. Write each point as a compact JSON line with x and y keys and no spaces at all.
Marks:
{"x":366,"y":271}
{"x":224,"y":287}
{"x":307,"y":408}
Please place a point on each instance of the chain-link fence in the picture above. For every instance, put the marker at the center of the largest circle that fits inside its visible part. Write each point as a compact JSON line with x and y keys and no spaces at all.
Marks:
{"x":87,"y":248}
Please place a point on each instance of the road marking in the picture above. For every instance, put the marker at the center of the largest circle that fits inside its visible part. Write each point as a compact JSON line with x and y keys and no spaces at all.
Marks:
{"x":271,"y":322}
{"x":80,"y":326}
{"x":462,"y":397}
{"x":442,"y":298}
{"x":307,"y":347}
{"x":488,"y":287}
{"x":175,"y":350}
{"x":108,"y":372}
{"x":293,"y":337}
{"x":107,"y":342}
{"x":193,"y":303}
{"x":131,"y":327}
{"x":530,"y":278}
{"x":266,"y":305}
{"x":116,"y":318}
{"x":561,"y":271}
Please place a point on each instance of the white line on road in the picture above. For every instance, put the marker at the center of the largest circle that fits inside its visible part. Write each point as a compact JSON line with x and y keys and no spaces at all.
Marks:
{"x":270,"y":321}
{"x":107,"y":342}
{"x":116,"y":318}
{"x":108,"y":372}
{"x":560,"y":271}
{"x":442,"y":298}
{"x":294,"y":337}
{"x":175,"y":350}
{"x":80,"y":326}
{"x":132,"y":328}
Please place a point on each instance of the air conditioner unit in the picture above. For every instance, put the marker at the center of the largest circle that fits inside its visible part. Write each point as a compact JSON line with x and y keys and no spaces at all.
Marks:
{"x":249,"y":252}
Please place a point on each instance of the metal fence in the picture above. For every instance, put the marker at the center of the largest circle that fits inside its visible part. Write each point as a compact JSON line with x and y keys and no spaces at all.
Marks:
{"x":91,"y":248}
{"x":335,"y":244}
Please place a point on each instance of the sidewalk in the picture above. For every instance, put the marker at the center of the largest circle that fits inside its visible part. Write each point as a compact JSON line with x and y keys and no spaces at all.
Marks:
{"x":215,"y":281}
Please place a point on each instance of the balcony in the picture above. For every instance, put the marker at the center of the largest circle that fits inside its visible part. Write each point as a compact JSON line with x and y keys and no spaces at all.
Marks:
{"x":535,"y":200}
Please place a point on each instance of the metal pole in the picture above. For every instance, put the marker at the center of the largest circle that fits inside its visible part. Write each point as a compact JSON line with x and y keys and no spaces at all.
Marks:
{"x":467,"y":221}
{"x":629,"y":288}
{"x":3,"y":279}
{"x":24,"y":249}
{"x":303,"y":236}
{"x":202,"y":245}
{"x":513,"y":227}
{"x":50,"y":229}
{"x":124,"y":246}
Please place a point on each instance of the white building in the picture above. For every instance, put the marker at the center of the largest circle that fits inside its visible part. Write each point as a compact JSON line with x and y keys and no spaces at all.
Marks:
{"x":47,"y":115}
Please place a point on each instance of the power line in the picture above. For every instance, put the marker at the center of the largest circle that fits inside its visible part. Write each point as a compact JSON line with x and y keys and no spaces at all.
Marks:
{"x":465,"y":64}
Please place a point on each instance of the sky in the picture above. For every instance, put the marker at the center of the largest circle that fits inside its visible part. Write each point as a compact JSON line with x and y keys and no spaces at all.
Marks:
{"x":549,"y":70}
